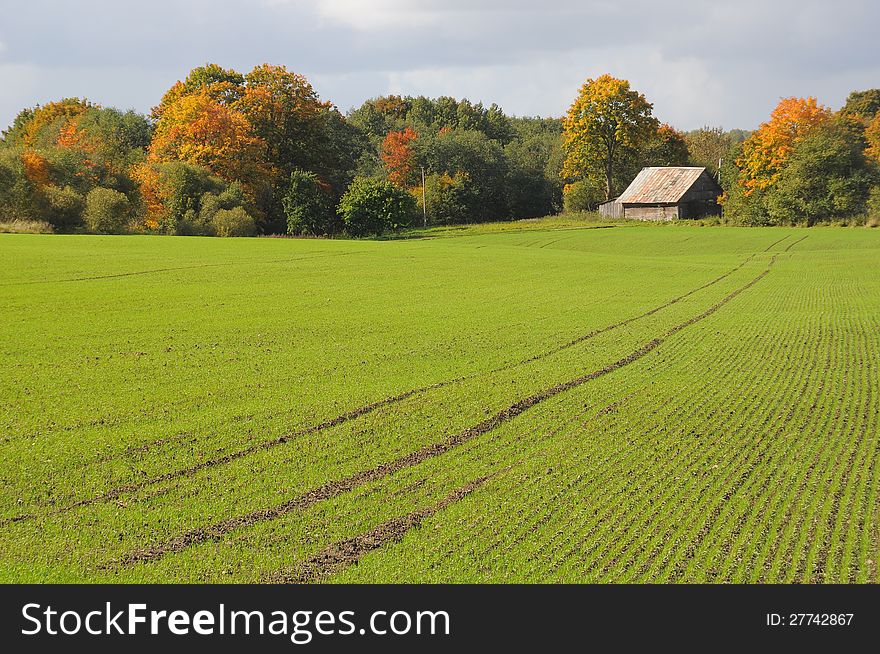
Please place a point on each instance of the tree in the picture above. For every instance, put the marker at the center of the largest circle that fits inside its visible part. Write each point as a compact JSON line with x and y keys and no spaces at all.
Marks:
{"x":825,"y":177}
{"x":397,"y":155}
{"x":872,"y":136}
{"x":372,"y":206}
{"x":666,"y":147}
{"x":308,"y":205}
{"x":583,"y":195}
{"x":256,"y":129}
{"x":199,"y":130}
{"x":707,"y":146}
{"x":172,"y":193}
{"x":605,"y":119}
{"x":224,"y":86}
{"x":765,"y":152}
{"x":864,"y":105}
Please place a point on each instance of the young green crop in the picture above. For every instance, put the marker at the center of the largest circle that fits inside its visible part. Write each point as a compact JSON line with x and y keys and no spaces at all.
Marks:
{"x":630,"y":403}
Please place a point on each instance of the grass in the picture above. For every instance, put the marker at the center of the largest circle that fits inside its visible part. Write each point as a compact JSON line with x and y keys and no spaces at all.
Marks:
{"x":534,"y":401}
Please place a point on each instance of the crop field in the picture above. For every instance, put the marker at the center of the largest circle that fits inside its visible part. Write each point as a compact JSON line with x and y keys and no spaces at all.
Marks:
{"x":541,"y":402}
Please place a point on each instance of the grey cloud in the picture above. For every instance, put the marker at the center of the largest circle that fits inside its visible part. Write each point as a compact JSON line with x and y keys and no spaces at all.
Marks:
{"x":716,"y":63}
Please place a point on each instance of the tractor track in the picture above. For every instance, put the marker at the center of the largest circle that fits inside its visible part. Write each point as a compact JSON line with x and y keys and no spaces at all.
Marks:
{"x":333,"y":489}
{"x":116,"y":492}
{"x":338,"y":556}
{"x":152,"y":271}
{"x":793,"y":243}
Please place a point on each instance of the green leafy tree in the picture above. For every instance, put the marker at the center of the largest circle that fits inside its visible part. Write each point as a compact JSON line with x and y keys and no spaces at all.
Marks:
{"x":308,"y":205}
{"x":862,"y":104}
{"x":826,"y":177}
{"x":373,"y":206}
{"x":708,"y":146}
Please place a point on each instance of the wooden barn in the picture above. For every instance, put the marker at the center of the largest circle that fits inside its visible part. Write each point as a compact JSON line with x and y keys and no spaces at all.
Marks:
{"x":671,"y":193}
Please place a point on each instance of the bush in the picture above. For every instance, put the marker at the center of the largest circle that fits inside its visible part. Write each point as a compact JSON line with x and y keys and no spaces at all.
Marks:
{"x":872,"y":208}
{"x":19,"y":226}
{"x":107,"y":211}
{"x":210,"y":204}
{"x":64,"y":207}
{"x":373,"y":206}
{"x":308,"y":205}
{"x":233,"y":222}
{"x":582,"y":195}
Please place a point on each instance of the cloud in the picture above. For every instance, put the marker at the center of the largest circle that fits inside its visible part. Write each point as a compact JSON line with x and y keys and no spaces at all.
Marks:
{"x":715,"y":63}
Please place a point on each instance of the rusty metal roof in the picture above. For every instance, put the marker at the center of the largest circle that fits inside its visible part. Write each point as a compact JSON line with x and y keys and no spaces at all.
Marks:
{"x":660,"y":185}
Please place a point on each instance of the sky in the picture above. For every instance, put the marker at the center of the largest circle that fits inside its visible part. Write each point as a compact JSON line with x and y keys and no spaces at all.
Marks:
{"x":700,"y":63}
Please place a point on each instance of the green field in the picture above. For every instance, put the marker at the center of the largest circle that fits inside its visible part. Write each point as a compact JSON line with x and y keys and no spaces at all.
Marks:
{"x":537,"y":402}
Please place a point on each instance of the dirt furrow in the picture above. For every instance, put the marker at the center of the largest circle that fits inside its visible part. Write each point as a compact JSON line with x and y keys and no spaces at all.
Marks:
{"x":336,"y":488}
{"x":770,"y":247}
{"x":793,"y":243}
{"x":337,"y":556}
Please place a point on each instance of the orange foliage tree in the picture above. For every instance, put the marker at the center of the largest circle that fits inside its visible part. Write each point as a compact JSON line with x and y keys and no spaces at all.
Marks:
{"x":768,"y":148}
{"x":198,"y":129}
{"x":36,"y":168}
{"x":397,"y":155}
{"x":872,"y":135}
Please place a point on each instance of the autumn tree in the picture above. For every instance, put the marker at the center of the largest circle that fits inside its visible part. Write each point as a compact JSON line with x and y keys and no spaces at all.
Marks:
{"x":199,"y":130}
{"x":765,"y":152}
{"x":397,"y":155}
{"x":255,"y":129}
{"x":605,"y":120}
{"x":872,"y":136}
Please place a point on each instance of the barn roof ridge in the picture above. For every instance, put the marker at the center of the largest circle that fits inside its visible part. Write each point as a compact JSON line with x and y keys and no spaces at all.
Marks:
{"x":661,"y":184}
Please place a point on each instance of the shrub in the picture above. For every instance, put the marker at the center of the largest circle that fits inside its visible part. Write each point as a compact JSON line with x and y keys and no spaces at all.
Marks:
{"x":64,"y":207}
{"x":582,"y":195}
{"x":107,"y":210}
{"x":373,"y":206}
{"x":308,"y":205}
{"x":233,"y":222}
{"x":210,"y":204}
{"x":19,"y":226}
{"x":873,"y":208}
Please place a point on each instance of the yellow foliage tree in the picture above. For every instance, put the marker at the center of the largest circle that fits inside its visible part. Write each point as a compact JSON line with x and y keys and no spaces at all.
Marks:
{"x":606,"y":118}
{"x":872,"y":135}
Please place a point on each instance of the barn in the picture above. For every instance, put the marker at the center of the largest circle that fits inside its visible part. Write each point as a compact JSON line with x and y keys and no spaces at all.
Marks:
{"x":671,"y":193}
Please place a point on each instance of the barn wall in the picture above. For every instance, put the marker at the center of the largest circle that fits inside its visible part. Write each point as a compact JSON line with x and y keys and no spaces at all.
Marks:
{"x":701,"y":199}
{"x":612,"y":209}
{"x":649,"y":212}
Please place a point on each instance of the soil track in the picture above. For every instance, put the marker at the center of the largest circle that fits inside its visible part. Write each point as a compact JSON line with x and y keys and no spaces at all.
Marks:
{"x":338,"y":556}
{"x":335,"y":488}
{"x":793,"y":243}
{"x":118,"y":491}
{"x":152,"y":271}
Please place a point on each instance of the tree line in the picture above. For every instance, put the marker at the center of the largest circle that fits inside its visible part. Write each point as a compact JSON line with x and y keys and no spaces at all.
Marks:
{"x":231,"y":154}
